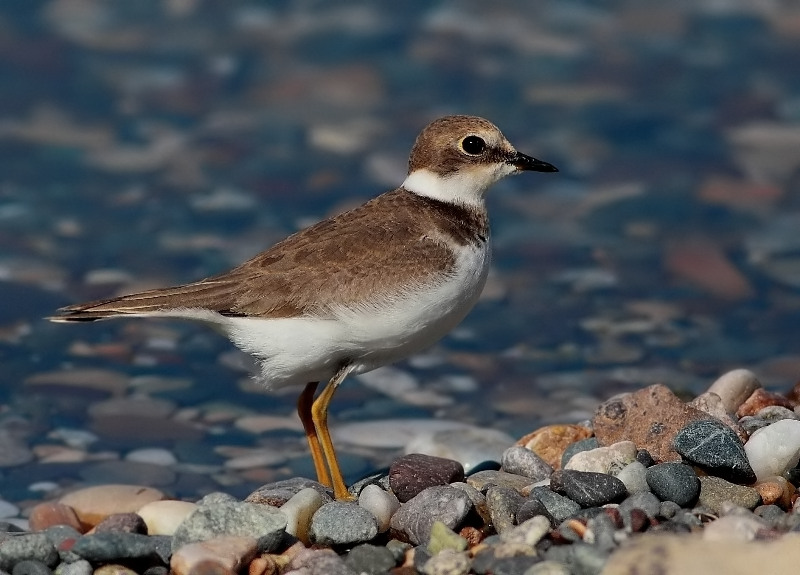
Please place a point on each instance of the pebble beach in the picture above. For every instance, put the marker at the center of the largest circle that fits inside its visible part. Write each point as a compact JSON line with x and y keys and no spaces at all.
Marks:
{"x":622,"y":399}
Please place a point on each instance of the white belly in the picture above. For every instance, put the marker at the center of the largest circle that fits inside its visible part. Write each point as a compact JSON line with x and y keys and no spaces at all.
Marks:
{"x":300,"y":350}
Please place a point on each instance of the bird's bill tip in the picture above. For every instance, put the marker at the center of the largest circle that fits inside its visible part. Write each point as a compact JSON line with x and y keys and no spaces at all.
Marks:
{"x":525,"y":163}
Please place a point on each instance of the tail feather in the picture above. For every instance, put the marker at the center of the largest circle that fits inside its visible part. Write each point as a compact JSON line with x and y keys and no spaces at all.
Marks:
{"x":210,"y":295}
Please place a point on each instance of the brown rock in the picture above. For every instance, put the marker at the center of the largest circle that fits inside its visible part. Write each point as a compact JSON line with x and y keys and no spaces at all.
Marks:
{"x":776,"y":491}
{"x":263,"y":565}
{"x":760,"y":399}
{"x":50,"y":513}
{"x":650,"y":418}
{"x":221,"y":555}
{"x":93,"y":504}
{"x":550,"y":442}
{"x":122,"y":523}
{"x":412,"y":473}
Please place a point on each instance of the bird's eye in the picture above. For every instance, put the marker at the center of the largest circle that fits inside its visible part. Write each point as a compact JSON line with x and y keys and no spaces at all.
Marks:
{"x":473,"y":145}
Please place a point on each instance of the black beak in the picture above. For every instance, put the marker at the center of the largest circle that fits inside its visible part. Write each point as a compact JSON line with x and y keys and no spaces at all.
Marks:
{"x":527,"y":164}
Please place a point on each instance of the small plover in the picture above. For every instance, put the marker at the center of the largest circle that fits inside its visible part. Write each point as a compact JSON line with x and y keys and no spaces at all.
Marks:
{"x":359,"y":290}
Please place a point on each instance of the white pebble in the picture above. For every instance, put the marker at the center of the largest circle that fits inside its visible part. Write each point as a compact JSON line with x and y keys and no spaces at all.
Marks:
{"x":380,"y":503}
{"x":774,"y":449}
{"x":299,"y":510}
{"x":163,"y":517}
{"x":153,"y":455}
{"x":609,"y":459}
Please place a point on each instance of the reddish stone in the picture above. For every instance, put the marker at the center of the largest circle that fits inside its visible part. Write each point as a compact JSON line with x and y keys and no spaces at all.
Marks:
{"x":549,"y":442}
{"x":412,"y":473}
{"x":50,"y":513}
{"x":760,"y":399}
{"x":122,"y":523}
{"x":650,"y":418}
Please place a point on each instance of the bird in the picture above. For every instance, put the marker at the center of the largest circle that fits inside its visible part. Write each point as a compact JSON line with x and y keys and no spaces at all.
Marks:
{"x":359,"y":290}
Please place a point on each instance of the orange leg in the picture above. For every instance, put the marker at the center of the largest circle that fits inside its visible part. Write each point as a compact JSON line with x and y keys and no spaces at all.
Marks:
{"x":304,"y":404}
{"x":319,"y":415}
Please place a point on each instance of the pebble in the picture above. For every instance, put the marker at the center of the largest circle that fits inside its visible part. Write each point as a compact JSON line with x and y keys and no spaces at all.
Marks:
{"x":734,"y":387}
{"x":557,"y":508}
{"x":650,"y":418}
{"x":674,"y":481}
{"x":774,"y":449}
{"x":715,"y":447}
{"x":551,"y":441}
{"x":611,"y":459}
{"x":112,"y":546}
{"x":715,"y":492}
{"x":80,"y":567}
{"x":634,"y":477}
{"x":528,"y":532}
{"x":482,"y":480}
{"x":370,"y":559}
{"x":318,"y":562}
{"x":29,"y":546}
{"x":31,"y":567}
{"x":93,"y":504}
{"x":414,"y":519}
{"x":519,"y":460}
{"x":503,"y":503}
{"x":412,"y":473}
{"x":448,"y":562}
{"x":444,"y":538}
{"x":299,"y":510}
{"x":761,"y":399}
{"x":646,"y":501}
{"x":588,"y":489}
{"x":583,"y":445}
{"x":279,"y":492}
{"x":164,"y":517}
{"x":226,"y":554}
{"x":342,"y":523}
{"x":382,"y":504}
{"x":226,"y":518}
{"x":48,"y":513}
{"x":122,"y":523}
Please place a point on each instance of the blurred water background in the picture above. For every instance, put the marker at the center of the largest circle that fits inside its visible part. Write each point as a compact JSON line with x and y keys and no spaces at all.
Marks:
{"x":155,"y":142}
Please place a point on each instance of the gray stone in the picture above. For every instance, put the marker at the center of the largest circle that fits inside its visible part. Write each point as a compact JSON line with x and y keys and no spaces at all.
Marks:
{"x":521,"y":461}
{"x":576,"y":447}
{"x":557,"y":507}
{"x":31,"y":567}
{"x":342,"y":523}
{"x":33,"y":546}
{"x":647,"y":502}
{"x":414,"y":519}
{"x":114,"y":545}
{"x":483,"y":479}
{"x":587,"y":488}
{"x":232,"y":518}
{"x":715,"y":492}
{"x":370,"y":559}
{"x":503,"y":503}
{"x":715,"y":447}
{"x":672,"y":481}
{"x":319,"y":562}
{"x":448,"y":562}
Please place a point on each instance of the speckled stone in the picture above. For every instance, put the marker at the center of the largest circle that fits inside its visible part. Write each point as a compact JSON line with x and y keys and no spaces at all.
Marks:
{"x":588,"y":489}
{"x":521,"y":461}
{"x":342,"y":523}
{"x":370,"y":559}
{"x":715,"y":492}
{"x":33,"y":546}
{"x":674,"y":481}
{"x":414,"y":519}
{"x":715,"y":447}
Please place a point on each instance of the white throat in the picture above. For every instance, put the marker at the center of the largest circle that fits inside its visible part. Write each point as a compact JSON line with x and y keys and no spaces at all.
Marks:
{"x":465,"y":186}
